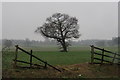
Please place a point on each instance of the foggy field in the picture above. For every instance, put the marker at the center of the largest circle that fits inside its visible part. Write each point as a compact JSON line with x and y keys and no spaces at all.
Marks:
{"x":60,"y":40}
{"x":76,"y":55}
{"x":75,"y":62}
{"x":52,"y":57}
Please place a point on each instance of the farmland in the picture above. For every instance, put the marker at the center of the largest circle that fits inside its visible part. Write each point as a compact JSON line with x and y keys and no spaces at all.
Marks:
{"x":51,"y":55}
{"x":76,"y":56}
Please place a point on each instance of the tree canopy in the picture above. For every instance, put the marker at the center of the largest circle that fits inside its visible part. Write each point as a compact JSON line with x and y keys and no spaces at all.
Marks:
{"x":61,"y":27}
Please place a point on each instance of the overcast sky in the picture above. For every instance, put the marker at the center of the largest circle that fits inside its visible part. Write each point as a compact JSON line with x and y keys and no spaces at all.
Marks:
{"x":97,"y":20}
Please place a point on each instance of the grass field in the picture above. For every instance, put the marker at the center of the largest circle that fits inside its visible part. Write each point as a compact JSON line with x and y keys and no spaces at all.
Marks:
{"x":52,"y":55}
{"x":72,"y":63}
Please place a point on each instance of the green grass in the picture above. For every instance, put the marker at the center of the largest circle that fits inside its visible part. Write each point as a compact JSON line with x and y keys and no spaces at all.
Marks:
{"x":54,"y":58}
{"x":76,"y":55}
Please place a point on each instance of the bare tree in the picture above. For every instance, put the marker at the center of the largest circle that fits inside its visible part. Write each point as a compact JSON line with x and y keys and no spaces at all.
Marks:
{"x":60,"y":27}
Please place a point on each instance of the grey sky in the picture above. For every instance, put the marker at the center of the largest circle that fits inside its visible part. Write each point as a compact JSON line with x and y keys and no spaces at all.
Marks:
{"x":97,"y":20}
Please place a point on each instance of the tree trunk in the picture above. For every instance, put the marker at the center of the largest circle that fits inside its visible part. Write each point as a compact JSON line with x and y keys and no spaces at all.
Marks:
{"x":64,"y":46}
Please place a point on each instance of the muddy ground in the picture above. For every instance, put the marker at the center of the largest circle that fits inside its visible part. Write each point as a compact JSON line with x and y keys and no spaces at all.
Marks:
{"x":84,"y":70}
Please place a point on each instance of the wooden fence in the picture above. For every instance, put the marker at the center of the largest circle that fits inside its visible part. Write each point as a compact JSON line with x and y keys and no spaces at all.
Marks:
{"x":30,"y":60}
{"x":103,"y":54}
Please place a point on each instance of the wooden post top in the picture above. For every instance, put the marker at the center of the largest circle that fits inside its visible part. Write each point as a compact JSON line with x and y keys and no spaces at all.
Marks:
{"x":92,"y":45}
{"x":16,"y":45}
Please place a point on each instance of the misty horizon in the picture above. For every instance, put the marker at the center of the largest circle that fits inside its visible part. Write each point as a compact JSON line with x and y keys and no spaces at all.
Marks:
{"x":45,"y":39}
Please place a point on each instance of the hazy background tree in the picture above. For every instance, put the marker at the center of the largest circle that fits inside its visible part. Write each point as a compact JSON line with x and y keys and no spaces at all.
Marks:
{"x":60,"y":27}
{"x":6,"y":44}
{"x":100,"y":43}
{"x":27,"y":42}
{"x":115,"y":41}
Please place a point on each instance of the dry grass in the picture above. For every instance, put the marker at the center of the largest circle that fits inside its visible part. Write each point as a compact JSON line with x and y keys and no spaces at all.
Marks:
{"x":83,"y":70}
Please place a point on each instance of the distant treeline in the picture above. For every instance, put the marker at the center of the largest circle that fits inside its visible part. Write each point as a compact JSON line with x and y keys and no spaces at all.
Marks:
{"x":113,"y":42}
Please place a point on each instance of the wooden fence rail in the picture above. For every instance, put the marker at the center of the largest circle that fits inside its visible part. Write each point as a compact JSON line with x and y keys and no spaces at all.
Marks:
{"x":115,"y":56}
{"x":26,"y":62}
{"x":31,"y":55}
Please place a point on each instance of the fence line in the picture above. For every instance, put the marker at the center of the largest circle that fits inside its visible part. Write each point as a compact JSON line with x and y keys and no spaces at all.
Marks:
{"x":31,"y":55}
{"x":103,"y":55}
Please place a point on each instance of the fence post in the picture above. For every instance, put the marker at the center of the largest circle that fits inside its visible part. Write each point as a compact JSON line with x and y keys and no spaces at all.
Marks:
{"x":16,"y":52}
{"x":92,"y":54}
{"x":31,"y":59}
{"x":45,"y":65}
{"x":113,"y":58}
{"x":102,"y":59}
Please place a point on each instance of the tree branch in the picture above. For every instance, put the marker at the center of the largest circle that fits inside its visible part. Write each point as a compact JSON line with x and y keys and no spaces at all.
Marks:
{"x":55,"y":37}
